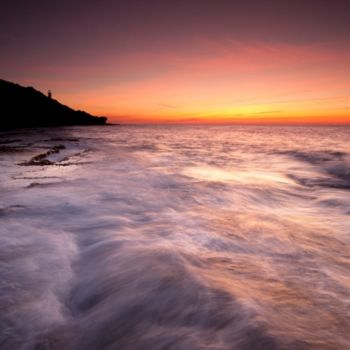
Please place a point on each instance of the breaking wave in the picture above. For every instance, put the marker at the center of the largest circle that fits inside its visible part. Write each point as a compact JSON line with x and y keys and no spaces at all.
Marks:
{"x":175,"y":238}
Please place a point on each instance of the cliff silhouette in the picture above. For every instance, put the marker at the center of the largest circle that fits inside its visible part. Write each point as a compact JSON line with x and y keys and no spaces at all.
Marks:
{"x":25,"y":107}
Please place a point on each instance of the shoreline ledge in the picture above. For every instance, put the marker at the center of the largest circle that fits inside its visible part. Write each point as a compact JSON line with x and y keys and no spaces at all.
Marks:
{"x":26,"y":107}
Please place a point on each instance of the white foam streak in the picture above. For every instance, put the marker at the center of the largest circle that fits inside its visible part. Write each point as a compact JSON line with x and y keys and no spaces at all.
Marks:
{"x":176,"y":238}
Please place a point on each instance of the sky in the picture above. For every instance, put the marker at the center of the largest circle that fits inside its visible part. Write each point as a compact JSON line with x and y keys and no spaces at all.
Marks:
{"x":184,"y":61}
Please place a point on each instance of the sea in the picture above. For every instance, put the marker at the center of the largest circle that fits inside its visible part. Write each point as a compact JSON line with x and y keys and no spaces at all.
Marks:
{"x":175,"y":237}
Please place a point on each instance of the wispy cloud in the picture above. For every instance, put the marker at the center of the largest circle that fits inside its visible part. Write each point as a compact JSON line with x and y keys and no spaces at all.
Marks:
{"x":169,"y":106}
{"x":268,"y":112}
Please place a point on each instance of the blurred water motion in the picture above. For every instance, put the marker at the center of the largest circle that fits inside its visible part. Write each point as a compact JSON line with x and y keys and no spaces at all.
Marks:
{"x":175,"y":238}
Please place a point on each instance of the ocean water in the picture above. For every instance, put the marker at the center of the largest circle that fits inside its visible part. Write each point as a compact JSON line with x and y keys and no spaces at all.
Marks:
{"x":178,"y":237}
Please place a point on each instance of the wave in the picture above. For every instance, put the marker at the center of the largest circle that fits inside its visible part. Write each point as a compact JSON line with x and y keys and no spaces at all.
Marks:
{"x":196,"y":238}
{"x":335,"y":164}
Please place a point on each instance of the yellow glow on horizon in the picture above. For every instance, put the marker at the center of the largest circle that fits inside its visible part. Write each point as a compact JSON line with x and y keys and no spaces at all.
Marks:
{"x":228,"y":82}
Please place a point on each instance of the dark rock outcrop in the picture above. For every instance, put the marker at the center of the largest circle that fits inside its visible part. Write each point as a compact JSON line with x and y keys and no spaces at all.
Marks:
{"x":25,"y":107}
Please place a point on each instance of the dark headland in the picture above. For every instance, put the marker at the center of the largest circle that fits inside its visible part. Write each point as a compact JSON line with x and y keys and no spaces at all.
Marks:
{"x":25,"y":107}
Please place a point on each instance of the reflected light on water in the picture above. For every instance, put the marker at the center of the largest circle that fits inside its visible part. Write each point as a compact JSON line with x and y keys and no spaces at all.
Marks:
{"x":176,"y":238}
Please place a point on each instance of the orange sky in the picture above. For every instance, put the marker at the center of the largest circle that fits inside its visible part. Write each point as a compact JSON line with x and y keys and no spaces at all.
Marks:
{"x":223,"y":61}
{"x":225,"y":82}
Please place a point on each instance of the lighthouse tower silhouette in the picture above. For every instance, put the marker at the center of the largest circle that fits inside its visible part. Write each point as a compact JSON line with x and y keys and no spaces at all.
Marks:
{"x":49,"y":94}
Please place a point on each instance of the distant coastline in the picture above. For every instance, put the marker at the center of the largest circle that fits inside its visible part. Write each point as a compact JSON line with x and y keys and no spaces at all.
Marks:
{"x":26,"y":107}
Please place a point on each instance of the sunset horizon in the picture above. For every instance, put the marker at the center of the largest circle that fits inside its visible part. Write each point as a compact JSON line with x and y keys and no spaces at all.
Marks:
{"x":175,"y":175}
{"x":180,"y":62}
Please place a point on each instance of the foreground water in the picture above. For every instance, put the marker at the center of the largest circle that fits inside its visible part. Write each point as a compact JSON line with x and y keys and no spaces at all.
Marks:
{"x":175,"y":238}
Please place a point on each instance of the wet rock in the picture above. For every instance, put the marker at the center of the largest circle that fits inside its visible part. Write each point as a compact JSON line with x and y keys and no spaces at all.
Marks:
{"x":5,"y":142}
{"x":41,"y":159}
{"x":9,"y":149}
